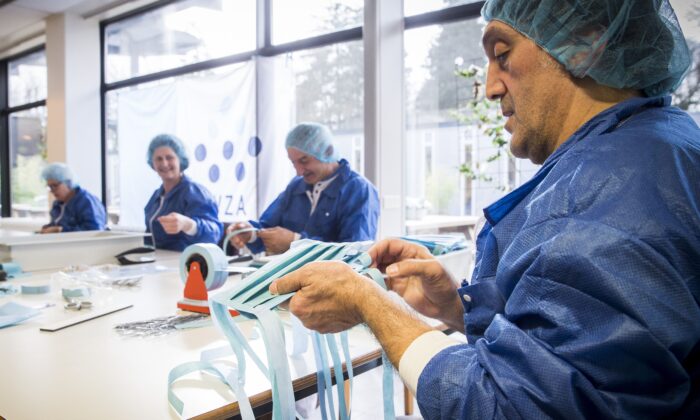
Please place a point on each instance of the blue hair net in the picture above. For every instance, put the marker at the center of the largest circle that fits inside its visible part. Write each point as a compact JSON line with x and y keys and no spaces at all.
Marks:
{"x":313,"y":139}
{"x":59,"y":172}
{"x":635,"y":44}
{"x":173,"y":143}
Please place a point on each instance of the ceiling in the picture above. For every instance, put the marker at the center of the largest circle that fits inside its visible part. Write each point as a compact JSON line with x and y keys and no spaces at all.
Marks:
{"x":21,"y":20}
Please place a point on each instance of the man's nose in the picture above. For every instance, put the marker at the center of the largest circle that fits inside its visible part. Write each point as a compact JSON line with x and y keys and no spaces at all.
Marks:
{"x":495,"y":88}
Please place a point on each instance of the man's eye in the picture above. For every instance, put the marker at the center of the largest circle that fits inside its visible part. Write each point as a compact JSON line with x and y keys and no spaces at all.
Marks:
{"x":502,"y":58}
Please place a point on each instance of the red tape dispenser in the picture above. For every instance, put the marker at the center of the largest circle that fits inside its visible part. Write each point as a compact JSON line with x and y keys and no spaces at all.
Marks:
{"x":203,"y":268}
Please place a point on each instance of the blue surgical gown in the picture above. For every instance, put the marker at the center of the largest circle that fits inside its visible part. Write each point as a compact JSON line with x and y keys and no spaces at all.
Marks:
{"x":82,"y":212}
{"x":347,"y":210}
{"x":189,"y":199}
{"x":584,"y":298}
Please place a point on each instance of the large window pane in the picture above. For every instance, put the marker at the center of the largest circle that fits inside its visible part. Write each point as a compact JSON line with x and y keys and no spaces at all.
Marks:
{"x":298,"y":19}
{"x":179,"y":34}
{"x":440,"y":135}
{"x":27,"y":79}
{"x":212,"y":112}
{"x":329,"y":86}
{"x":27,"y":160}
{"x":416,"y":7}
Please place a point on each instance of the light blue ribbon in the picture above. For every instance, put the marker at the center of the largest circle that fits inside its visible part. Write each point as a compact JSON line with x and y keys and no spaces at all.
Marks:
{"x":439,"y":244}
{"x":252,"y":299}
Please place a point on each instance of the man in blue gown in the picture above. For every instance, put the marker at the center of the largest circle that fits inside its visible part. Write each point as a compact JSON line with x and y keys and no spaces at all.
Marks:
{"x":584,"y":302}
{"x":326,"y":201}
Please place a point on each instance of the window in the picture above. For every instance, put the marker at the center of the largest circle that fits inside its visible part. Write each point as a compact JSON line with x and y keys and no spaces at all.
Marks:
{"x":212,"y":112}
{"x":299,"y":19}
{"x":415,"y":7}
{"x":176,"y":35}
{"x":687,"y":96}
{"x":231,"y":101}
{"x":328,"y":89}
{"x":435,"y":96}
{"x":27,"y":79}
{"x":23,"y":191}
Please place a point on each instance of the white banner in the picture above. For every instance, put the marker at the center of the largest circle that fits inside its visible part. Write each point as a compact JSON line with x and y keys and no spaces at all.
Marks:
{"x":215,"y":117}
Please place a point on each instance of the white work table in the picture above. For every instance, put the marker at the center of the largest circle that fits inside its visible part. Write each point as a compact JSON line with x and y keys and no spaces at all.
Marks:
{"x":89,"y":371}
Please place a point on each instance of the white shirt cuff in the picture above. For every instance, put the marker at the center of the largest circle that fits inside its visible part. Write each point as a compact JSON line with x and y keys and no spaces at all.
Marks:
{"x":419,"y":353}
{"x":192,"y":231}
{"x":297,"y":236}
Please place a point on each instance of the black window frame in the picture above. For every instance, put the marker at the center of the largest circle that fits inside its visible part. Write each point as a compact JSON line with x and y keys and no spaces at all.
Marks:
{"x":265,"y":49}
{"x":5,"y":112}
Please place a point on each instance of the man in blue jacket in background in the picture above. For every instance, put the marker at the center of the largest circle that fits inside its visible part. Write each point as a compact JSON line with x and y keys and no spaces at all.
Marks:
{"x":584,"y":302}
{"x":326,"y":201}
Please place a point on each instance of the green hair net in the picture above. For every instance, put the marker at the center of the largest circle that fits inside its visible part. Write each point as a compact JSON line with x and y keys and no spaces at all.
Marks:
{"x":635,"y":44}
{"x":313,"y":139}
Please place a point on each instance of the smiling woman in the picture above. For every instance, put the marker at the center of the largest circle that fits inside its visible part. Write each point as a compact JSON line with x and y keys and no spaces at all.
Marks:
{"x":180,"y":212}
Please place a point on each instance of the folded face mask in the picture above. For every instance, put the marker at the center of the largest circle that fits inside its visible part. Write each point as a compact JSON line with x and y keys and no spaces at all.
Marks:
{"x":13,"y":313}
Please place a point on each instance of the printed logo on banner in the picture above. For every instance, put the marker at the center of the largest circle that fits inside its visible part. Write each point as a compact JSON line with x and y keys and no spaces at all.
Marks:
{"x":229,"y":204}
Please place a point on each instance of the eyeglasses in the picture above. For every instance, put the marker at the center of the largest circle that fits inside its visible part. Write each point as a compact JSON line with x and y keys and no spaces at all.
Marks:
{"x":53,"y":186}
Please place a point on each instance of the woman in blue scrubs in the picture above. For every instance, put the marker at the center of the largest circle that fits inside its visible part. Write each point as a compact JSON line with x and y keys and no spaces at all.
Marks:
{"x":180,"y":212}
{"x":74,"y":209}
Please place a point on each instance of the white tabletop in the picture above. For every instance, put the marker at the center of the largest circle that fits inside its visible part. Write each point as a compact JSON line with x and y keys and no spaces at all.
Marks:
{"x":89,"y":371}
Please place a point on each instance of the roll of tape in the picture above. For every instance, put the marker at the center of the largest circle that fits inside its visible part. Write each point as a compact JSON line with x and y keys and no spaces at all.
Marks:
{"x":11,"y":268}
{"x":35,"y":290}
{"x":212,"y":261}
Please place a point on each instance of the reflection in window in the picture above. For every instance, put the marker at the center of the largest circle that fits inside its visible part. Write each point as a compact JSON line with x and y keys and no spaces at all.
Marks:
{"x":329,"y":90}
{"x":27,"y":131}
{"x":27,"y":79}
{"x":298,"y":19}
{"x":178,"y":34}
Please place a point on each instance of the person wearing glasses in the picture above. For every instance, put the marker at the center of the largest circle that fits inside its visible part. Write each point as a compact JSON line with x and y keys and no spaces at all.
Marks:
{"x":181,"y":212}
{"x":74,"y":209}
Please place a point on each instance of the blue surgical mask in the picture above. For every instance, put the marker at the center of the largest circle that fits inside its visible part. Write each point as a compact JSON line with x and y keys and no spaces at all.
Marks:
{"x":13,"y":313}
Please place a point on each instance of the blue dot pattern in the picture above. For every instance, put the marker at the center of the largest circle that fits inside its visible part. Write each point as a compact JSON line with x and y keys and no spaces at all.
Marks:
{"x":240,"y":171}
{"x":214,"y":173}
{"x":254,"y":146}
{"x":228,"y":150}
{"x":200,"y":152}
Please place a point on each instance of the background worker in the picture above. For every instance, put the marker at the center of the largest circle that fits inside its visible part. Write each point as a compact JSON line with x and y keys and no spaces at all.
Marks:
{"x":74,"y":209}
{"x":181,"y":212}
{"x":326,"y":201}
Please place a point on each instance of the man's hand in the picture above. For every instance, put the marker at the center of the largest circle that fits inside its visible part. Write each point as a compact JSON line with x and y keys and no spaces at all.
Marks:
{"x":240,"y":240}
{"x":175,"y":222}
{"x":420,"y":279}
{"x":277,"y":239}
{"x":51,"y":229}
{"x":328,"y":295}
